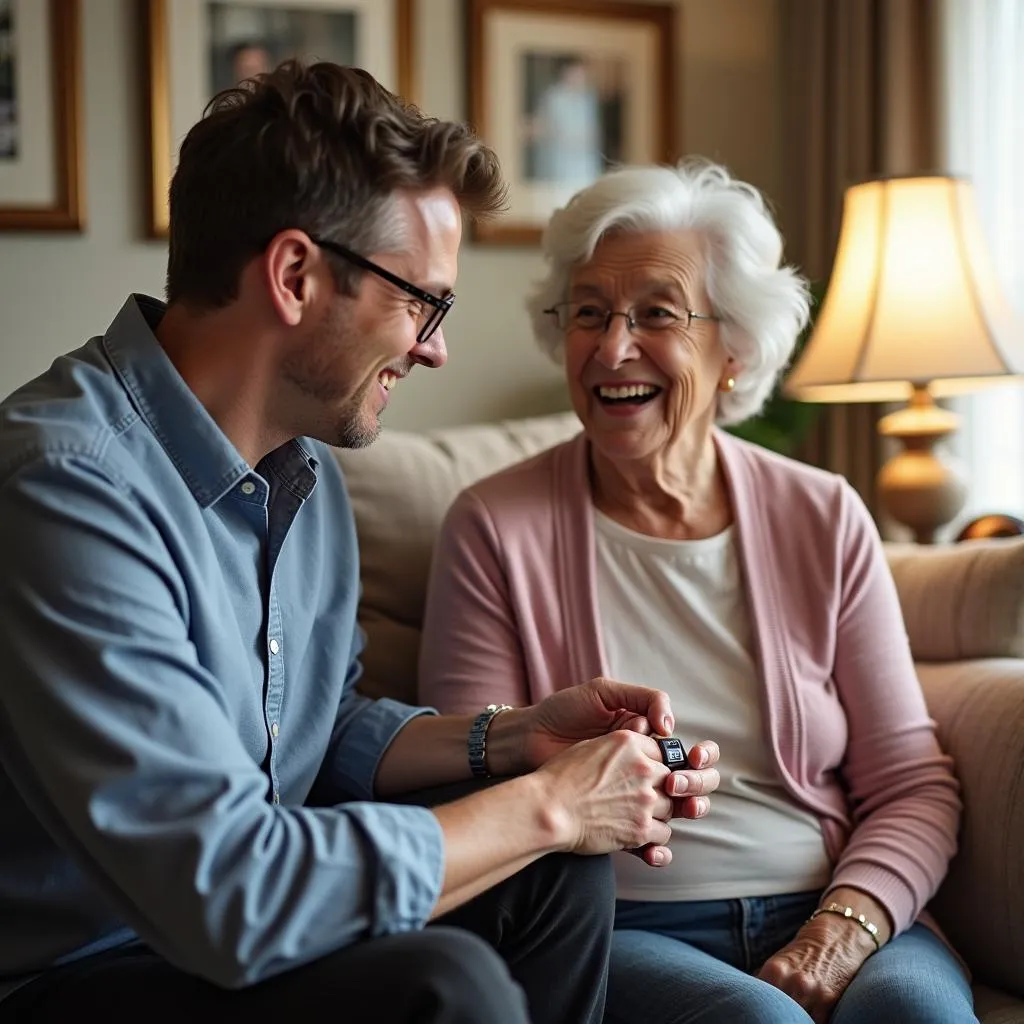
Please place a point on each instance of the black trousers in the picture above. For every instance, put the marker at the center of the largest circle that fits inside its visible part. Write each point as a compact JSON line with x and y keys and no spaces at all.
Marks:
{"x":532,"y":949}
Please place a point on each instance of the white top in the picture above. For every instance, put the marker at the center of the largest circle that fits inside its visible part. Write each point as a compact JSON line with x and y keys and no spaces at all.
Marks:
{"x":673,"y":614}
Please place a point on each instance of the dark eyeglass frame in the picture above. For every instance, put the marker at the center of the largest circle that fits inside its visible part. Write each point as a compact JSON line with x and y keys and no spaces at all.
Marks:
{"x":439,"y":305}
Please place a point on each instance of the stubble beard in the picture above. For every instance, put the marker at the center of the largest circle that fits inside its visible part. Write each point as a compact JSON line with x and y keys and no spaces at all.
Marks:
{"x":318,"y":372}
{"x":353,"y":430}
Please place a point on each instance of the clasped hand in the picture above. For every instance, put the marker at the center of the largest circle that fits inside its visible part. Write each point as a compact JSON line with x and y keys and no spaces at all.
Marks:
{"x":608,"y":788}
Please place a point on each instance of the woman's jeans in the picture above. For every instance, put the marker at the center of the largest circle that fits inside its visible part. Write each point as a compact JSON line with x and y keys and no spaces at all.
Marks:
{"x":690,"y":962}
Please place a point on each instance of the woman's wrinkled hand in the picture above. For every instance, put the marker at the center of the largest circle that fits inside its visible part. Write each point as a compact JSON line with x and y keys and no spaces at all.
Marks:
{"x":816,"y":967}
{"x":690,"y":786}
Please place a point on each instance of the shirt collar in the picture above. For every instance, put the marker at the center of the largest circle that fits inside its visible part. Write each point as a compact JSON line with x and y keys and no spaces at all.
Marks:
{"x":208,"y":462}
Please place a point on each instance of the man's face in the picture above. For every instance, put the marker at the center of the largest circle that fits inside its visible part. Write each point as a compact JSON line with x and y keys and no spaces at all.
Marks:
{"x":362,"y":347}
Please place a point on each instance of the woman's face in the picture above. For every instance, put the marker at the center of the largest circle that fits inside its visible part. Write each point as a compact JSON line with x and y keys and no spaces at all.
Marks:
{"x":671,"y":376}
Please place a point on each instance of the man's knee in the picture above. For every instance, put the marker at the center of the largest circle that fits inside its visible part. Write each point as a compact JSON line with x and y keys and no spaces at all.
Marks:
{"x":585,"y":883}
{"x":459,"y":971}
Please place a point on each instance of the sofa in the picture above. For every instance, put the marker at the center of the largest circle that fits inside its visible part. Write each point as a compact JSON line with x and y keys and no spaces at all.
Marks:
{"x":963,"y":608}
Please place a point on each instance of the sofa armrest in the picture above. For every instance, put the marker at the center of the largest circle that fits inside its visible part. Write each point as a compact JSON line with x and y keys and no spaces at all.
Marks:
{"x":961,"y":600}
{"x":978,"y":707}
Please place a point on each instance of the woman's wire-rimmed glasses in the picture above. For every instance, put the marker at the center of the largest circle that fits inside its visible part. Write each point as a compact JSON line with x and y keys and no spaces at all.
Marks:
{"x":439,"y":306}
{"x":588,"y":316}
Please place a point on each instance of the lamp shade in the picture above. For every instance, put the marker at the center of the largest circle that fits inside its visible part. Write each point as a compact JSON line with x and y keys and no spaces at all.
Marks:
{"x":913,"y":299}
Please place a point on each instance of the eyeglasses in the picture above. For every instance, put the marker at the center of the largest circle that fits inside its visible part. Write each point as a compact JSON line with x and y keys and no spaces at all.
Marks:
{"x":438,"y":306}
{"x":588,"y":316}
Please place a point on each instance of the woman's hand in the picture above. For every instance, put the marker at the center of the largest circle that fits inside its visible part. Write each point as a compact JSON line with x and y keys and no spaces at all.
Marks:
{"x":826,"y":954}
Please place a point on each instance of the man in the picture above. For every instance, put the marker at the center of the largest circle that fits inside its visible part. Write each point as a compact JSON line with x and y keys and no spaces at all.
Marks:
{"x":194,"y":799}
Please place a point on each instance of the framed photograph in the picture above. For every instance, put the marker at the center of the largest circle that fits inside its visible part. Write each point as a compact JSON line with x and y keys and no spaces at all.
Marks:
{"x":564,"y":90}
{"x":41,"y":185}
{"x":195,"y":48}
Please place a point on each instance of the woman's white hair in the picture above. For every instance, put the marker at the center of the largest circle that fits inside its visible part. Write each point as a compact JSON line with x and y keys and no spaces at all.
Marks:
{"x":763,"y":306}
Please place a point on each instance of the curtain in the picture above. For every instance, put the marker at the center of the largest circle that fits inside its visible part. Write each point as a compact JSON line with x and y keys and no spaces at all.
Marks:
{"x":983,"y":122}
{"x":860,"y":94}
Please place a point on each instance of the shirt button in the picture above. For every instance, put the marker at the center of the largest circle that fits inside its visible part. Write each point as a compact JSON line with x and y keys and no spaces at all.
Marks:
{"x":248,"y":487}
{"x":277,"y":797}
{"x":274,"y":646}
{"x":274,"y":730}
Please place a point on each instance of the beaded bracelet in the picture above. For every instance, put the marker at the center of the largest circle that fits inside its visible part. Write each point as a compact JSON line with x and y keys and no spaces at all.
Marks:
{"x":852,"y":915}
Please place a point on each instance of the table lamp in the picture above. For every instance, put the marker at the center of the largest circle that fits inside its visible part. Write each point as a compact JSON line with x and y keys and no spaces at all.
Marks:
{"x":913,"y":311}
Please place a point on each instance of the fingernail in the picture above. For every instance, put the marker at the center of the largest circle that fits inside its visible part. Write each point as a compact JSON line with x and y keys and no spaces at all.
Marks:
{"x":680,"y":784}
{"x":667,"y":724}
{"x":703,"y":805}
{"x":658,"y":857}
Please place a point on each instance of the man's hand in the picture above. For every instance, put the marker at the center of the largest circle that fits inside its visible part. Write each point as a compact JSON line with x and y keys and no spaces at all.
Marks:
{"x":601,"y":706}
{"x":825,"y":956}
{"x":529,"y":738}
{"x":607,"y":794}
{"x":597,"y":796}
{"x":588,"y":710}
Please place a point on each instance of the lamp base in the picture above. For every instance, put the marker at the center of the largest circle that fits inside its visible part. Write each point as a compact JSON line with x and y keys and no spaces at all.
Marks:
{"x":920,"y":487}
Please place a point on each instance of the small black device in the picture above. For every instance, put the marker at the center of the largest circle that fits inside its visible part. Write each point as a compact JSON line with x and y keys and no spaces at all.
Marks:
{"x":672,"y":752}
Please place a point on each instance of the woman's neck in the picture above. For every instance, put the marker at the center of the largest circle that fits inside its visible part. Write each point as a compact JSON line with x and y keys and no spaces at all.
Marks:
{"x":677,"y":494}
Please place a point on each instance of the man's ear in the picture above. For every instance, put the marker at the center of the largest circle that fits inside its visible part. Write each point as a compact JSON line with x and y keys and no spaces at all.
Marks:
{"x":293,"y":270}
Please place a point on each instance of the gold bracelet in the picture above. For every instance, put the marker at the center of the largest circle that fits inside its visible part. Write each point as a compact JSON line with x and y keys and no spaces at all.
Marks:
{"x":852,"y":915}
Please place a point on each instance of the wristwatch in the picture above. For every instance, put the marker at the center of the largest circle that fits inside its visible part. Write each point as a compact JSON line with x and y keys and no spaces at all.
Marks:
{"x":478,"y":739}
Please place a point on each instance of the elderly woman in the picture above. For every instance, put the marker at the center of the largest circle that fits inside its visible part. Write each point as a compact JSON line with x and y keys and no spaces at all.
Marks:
{"x":657,"y":547}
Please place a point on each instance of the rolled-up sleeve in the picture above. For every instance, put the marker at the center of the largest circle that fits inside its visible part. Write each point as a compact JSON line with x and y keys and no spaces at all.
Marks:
{"x":123,"y":746}
{"x":363,"y":730}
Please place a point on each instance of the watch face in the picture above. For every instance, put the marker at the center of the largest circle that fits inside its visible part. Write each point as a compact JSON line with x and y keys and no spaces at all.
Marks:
{"x":672,"y":753}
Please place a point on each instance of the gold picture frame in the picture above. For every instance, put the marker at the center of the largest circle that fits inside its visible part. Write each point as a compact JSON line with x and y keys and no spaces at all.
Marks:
{"x":563,"y":89}
{"x":41,"y":173}
{"x":169,"y":59}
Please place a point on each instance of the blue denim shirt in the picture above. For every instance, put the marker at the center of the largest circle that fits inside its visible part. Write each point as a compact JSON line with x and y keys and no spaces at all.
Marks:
{"x":183,"y":759}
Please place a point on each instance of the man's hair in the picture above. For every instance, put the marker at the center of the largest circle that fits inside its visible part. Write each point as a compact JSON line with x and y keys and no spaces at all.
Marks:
{"x":322,"y":148}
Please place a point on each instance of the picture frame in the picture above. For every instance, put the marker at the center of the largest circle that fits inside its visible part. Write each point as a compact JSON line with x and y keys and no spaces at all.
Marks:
{"x":564,"y":89}
{"x":191,"y":45}
{"x":41,"y":157}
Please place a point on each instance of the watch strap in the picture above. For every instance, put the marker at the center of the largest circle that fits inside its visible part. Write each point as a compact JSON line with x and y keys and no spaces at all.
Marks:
{"x":477,"y":741}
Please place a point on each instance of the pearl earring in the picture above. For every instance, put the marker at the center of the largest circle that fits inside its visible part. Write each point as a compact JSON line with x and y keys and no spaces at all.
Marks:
{"x":729,"y":384}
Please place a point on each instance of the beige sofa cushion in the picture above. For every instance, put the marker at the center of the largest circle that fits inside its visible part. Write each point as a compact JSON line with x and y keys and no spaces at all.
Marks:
{"x":978,"y":707}
{"x":962,"y":600}
{"x":401,"y":487}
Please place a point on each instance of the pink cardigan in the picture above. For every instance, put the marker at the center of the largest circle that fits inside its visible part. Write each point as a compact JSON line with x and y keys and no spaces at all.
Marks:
{"x":512,"y":617}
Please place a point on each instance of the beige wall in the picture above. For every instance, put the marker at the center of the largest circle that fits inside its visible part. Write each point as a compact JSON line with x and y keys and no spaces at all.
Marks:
{"x":56,"y":291}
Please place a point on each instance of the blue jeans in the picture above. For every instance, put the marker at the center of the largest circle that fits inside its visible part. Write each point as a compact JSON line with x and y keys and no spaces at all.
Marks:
{"x":690,"y":962}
